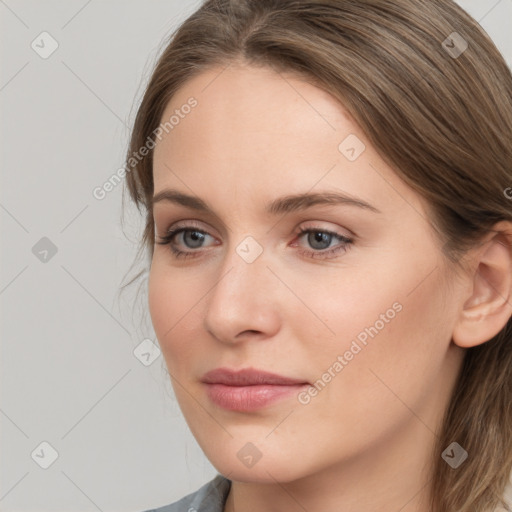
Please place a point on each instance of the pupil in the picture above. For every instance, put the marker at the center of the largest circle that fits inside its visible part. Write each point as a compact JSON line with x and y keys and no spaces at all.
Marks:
{"x":319,"y":237}
{"x":196,"y":238}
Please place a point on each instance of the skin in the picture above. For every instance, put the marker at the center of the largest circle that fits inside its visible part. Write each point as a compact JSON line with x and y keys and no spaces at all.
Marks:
{"x":256,"y":135}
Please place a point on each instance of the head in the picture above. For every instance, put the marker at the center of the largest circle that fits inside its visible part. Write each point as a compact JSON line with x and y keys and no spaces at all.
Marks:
{"x":402,"y":289}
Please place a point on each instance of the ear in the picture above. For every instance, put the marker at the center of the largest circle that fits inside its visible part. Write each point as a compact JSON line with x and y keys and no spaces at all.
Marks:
{"x":488,"y":304}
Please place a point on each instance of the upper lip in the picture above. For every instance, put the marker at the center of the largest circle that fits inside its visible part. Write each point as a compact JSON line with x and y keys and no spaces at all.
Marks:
{"x":247,"y":377}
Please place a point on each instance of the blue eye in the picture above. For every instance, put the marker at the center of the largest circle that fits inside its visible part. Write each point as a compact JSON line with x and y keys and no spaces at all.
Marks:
{"x":319,"y":239}
{"x":196,"y":239}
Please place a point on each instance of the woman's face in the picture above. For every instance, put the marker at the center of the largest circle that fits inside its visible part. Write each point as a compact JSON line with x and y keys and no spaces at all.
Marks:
{"x":362,"y":326}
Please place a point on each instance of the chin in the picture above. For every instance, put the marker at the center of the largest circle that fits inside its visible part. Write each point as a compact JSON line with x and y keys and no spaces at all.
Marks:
{"x":265,"y":470}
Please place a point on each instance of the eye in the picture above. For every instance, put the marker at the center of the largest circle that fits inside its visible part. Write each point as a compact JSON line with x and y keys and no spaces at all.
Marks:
{"x":319,"y":239}
{"x":192,"y":237}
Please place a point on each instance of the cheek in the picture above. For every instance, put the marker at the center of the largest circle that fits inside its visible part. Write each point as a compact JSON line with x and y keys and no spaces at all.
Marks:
{"x":173,"y":314}
{"x":159,"y":301}
{"x":394,"y":356}
{"x":343,"y":307}
{"x":393,"y":322}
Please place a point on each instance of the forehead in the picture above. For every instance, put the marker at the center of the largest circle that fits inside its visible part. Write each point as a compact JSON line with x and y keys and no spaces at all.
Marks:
{"x":257,"y":130}
{"x":244,"y":110}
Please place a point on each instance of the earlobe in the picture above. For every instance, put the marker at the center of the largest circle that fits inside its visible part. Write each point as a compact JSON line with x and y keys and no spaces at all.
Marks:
{"x":489,"y":306}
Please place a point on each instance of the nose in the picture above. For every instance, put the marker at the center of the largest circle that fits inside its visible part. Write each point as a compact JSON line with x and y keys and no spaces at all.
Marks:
{"x":243,"y":303}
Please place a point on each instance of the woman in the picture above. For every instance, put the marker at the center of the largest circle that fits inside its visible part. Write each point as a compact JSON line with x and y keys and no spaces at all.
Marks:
{"x":326,"y":186}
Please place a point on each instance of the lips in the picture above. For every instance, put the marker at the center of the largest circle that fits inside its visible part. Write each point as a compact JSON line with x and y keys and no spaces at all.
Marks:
{"x":247,"y":377}
{"x":248,"y":389}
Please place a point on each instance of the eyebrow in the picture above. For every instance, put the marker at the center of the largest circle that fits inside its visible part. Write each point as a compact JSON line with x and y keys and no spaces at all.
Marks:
{"x":281,"y":205}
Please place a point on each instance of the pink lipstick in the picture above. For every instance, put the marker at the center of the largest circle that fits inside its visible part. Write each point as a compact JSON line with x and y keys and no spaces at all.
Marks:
{"x":248,"y":389}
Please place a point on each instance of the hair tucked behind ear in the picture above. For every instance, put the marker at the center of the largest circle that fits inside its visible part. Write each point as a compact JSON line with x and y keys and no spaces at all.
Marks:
{"x":443,"y":121}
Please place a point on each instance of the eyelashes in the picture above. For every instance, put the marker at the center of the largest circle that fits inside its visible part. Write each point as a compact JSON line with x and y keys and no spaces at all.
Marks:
{"x":344,"y":244}
{"x":199,"y":236}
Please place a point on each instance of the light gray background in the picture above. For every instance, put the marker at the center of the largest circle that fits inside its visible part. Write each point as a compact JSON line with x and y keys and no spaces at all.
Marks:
{"x":68,"y":372}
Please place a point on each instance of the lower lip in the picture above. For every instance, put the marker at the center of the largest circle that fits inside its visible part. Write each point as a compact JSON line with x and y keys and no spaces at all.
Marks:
{"x":249,"y":398}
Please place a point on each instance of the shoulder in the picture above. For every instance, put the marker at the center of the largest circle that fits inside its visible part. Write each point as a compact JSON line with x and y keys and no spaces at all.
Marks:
{"x":211,"y":497}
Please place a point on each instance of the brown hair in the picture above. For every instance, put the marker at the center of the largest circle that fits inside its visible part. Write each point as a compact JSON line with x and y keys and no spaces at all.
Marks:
{"x":441,"y":118}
